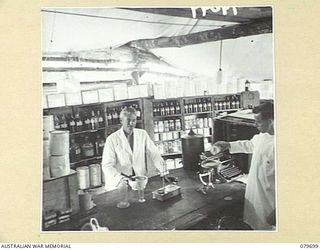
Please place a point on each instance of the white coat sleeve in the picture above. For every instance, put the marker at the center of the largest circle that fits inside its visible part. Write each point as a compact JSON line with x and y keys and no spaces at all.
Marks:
{"x":111,"y":175}
{"x":243,"y":146}
{"x":154,"y":155}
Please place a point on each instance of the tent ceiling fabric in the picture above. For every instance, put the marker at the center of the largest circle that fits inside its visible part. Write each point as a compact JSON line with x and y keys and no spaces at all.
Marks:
{"x":74,"y":29}
{"x":101,"y":33}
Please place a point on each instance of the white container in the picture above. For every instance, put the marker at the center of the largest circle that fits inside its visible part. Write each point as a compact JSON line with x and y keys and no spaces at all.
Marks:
{"x":59,"y":142}
{"x":95,"y":175}
{"x":48,"y":123}
{"x":159,"y":91}
{"x":46,"y":153}
{"x":83,"y":175}
{"x":59,"y":165}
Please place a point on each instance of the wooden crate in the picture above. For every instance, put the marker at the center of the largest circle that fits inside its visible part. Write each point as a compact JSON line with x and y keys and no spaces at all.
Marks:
{"x":61,"y":193}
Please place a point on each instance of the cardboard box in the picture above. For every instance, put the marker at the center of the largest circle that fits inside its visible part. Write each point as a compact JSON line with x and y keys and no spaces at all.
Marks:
{"x":90,"y":96}
{"x":73,"y":98}
{"x":56,"y":100}
{"x":106,"y":95}
{"x":120,"y":92}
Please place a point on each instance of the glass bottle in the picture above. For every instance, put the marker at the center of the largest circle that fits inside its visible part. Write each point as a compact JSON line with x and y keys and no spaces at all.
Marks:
{"x":178,"y":125}
{"x":100,"y":119}
{"x":138,"y":112}
{"x":94,"y":121}
{"x":63,"y":122}
{"x":109,"y":117}
{"x":209,"y":104}
{"x":79,"y":123}
{"x":195,"y":106}
{"x":200,"y":106}
{"x":72,"y":124}
{"x":167,"y":109}
{"x":87,"y":148}
{"x":75,"y":151}
{"x":87,"y":125}
{"x":162,"y":111}
{"x":99,"y":145}
{"x":56,"y":121}
{"x":172,"y":109}
{"x":177,"y":108}
{"x":154,"y":110}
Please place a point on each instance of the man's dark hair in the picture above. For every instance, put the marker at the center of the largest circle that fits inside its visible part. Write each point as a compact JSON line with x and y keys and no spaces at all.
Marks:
{"x":265,"y":109}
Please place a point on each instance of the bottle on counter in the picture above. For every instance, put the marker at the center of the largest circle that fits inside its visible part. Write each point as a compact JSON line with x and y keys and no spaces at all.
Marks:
{"x":155,"y":110}
{"x":87,"y":148}
{"x":75,"y":151}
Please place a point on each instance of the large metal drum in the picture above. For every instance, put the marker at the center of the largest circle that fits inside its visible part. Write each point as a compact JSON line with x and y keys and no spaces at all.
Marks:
{"x":192,"y":147}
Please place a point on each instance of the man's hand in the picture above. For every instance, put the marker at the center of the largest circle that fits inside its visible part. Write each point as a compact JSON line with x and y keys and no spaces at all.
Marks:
{"x":219,"y":146}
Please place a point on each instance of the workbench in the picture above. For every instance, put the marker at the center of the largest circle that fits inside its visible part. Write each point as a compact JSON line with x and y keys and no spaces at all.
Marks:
{"x":183,"y":212}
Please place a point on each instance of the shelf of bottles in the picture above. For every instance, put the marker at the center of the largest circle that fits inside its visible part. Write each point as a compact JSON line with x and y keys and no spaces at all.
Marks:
{"x":227,"y":103}
{"x":86,"y":126}
{"x":198,"y":112}
{"x":166,"y":108}
{"x":167,"y":126}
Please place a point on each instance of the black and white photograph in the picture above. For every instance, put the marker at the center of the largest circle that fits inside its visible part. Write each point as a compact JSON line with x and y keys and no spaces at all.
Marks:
{"x":158,"y":119}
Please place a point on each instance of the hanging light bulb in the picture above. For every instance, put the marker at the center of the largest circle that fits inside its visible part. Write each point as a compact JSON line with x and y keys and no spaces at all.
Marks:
{"x":219,"y":73}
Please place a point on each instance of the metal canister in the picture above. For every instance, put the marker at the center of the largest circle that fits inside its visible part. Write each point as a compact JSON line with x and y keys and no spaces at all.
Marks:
{"x":192,"y":147}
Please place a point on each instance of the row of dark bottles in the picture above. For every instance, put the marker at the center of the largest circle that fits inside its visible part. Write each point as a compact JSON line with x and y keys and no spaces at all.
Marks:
{"x":79,"y":122}
{"x":166,"y":108}
{"x":197,"y":105}
{"x":229,"y":102}
{"x":113,"y":113}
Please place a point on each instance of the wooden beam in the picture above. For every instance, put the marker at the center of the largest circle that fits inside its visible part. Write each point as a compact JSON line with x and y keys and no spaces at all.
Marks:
{"x":261,"y":26}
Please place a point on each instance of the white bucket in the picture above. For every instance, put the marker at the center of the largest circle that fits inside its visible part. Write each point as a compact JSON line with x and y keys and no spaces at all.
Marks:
{"x":83,"y":177}
{"x":59,"y":142}
{"x":48,"y":123}
{"x":59,"y":165}
{"x":46,"y":153}
{"x":95,"y":175}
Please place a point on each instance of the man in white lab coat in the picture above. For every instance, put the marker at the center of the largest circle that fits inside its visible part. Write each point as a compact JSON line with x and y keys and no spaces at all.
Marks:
{"x":259,"y":205}
{"x":125,"y":151}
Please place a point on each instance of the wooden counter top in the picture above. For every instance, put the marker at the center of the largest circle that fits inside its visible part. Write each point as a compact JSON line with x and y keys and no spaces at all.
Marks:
{"x":180,"y":212}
